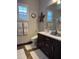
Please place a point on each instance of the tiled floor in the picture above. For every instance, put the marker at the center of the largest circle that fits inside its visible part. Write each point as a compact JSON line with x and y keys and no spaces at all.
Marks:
{"x":30,"y":47}
{"x":26,"y":52}
{"x":30,"y":51}
{"x":21,"y":54}
{"x":38,"y":54}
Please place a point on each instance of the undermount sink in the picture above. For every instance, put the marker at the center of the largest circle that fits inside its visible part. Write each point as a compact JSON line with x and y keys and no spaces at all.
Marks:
{"x":56,"y":33}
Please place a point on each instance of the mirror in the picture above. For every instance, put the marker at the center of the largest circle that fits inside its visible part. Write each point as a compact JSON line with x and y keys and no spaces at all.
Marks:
{"x":53,"y":18}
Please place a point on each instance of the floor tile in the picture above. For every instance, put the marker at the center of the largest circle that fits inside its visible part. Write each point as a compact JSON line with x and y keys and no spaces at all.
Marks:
{"x":21,"y":54}
{"x":38,"y":54}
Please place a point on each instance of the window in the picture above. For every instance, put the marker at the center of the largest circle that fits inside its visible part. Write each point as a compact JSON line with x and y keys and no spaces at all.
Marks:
{"x":22,"y":12}
{"x":49,"y":16}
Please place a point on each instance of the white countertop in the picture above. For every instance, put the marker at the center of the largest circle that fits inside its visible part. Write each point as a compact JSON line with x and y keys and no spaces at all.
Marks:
{"x":50,"y":35}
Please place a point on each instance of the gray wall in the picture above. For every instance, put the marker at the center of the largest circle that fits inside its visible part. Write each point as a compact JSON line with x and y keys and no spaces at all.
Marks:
{"x":33,"y":28}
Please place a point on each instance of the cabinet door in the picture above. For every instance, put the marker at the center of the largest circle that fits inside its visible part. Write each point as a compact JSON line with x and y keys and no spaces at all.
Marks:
{"x":56,"y":49}
{"x":57,"y":52}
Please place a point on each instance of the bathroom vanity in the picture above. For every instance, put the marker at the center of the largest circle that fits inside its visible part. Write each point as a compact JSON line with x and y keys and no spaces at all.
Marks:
{"x":50,"y":45}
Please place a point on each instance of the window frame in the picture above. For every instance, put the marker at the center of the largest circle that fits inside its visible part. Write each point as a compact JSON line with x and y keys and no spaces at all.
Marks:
{"x":52,"y":17}
{"x":18,"y":19}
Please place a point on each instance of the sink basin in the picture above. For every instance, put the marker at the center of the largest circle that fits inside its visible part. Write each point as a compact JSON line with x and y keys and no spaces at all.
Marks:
{"x":56,"y":34}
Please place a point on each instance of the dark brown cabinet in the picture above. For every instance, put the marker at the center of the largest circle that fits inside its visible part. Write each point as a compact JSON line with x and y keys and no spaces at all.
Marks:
{"x":50,"y":46}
